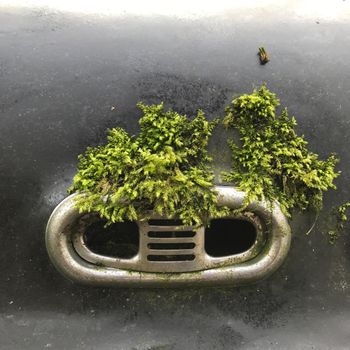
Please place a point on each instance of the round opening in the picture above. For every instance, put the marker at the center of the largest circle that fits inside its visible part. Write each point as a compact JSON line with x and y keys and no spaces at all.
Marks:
{"x":229,"y":236}
{"x":119,"y":240}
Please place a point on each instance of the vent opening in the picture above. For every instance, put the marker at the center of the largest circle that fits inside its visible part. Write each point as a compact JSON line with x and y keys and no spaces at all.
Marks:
{"x":188,"y":257}
{"x":229,"y":236}
{"x":119,"y":240}
{"x":171,"y":246}
{"x":171,"y":234}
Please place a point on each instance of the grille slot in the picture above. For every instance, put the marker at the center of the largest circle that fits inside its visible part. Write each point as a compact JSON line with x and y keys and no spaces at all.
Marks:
{"x":171,"y":245}
{"x":171,"y":240}
{"x":171,"y":234}
{"x":172,"y":258}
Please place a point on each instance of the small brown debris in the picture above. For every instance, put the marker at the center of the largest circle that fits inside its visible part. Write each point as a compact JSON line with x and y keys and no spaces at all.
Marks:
{"x":263,"y":56}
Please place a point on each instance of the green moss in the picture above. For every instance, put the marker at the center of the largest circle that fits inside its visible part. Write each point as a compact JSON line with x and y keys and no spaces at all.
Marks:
{"x":270,"y":161}
{"x":341,"y":220}
{"x":165,"y":170}
{"x":341,"y":213}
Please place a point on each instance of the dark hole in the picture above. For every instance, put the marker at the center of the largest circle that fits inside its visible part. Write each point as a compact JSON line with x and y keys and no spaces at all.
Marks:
{"x":171,"y":245}
{"x":229,"y":236}
{"x":169,"y":234}
{"x":165,"y":222}
{"x":120,"y":240}
{"x":188,"y":257}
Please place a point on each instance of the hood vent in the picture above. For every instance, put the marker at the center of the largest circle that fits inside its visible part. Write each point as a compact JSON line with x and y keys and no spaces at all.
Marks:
{"x":237,"y":249}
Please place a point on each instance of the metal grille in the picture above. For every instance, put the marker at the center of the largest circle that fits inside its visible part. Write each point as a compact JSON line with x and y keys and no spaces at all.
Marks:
{"x":157,"y":253}
{"x":170,"y":248}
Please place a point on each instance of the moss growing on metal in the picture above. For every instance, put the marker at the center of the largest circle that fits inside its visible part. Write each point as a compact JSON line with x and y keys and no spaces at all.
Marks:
{"x":341,"y":221}
{"x":270,"y":161}
{"x":165,"y":170}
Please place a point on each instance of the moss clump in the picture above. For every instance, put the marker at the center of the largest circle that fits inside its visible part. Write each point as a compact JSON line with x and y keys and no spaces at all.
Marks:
{"x":165,"y":170}
{"x":341,"y":220}
{"x":271,"y":162}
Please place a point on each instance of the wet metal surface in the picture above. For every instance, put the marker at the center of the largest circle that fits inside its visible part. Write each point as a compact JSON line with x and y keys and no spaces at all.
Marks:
{"x":60,"y":77}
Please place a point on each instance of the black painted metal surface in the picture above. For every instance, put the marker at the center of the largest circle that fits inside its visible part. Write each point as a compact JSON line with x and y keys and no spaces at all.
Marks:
{"x":61,"y":75}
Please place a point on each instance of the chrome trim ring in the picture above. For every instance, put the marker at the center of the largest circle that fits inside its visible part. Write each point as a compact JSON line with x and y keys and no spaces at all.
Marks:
{"x":70,"y":255}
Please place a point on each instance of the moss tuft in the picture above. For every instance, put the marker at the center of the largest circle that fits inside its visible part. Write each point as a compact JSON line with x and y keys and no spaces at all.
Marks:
{"x":271,"y":162}
{"x":165,"y":170}
{"x":340,"y":221}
